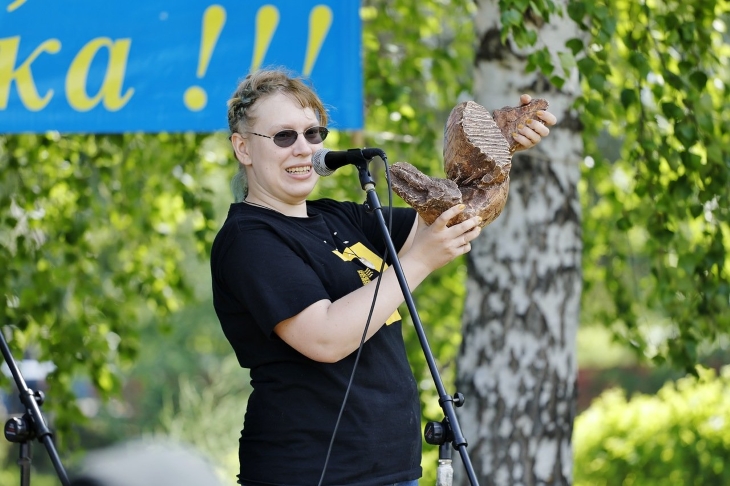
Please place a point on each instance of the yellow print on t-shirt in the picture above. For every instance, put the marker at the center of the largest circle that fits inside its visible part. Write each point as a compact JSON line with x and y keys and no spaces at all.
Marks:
{"x":366,"y":275}
{"x":373,"y":263}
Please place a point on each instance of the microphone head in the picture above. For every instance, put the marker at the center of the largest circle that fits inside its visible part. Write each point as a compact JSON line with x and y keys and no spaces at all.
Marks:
{"x":318,"y":163}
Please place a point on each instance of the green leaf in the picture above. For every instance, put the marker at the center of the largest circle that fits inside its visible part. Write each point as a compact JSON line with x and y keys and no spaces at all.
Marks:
{"x":628,"y":97}
{"x":511,"y":18}
{"x":669,"y":21}
{"x":623,"y":223}
{"x":557,"y":81}
{"x":674,"y":81}
{"x":699,"y":80}
{"x":577,"y":12}
{"x":567,"y":61}
{"x":672,"y":111}
{"x":597,"y":82}
{"x":575,"y":45}
{"x":638,"y":60}
{"x":696,"y":210}
{"x":686,"y":133}
{"x":587,"y":66}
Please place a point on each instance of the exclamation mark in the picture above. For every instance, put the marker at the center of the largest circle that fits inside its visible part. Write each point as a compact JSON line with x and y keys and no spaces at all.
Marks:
{"x":267,"y":19}
{"x":214,"y":19}
{"x":16,"y":4}
{"x":320,"y":20}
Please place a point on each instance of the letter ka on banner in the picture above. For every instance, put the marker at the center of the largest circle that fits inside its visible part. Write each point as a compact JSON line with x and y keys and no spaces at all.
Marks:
{"x":163,"y":65}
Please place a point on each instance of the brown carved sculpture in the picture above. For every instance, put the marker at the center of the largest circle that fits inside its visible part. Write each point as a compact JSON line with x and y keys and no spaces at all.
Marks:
{"x":478,"y":148}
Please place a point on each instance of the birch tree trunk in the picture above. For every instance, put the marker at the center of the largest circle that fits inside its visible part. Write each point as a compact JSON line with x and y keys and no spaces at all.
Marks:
{"x":517,"y":363}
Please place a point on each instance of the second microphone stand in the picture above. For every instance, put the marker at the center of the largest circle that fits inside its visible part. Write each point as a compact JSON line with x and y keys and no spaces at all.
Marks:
{"x":437,"y":433}
{"x":31,"y":425}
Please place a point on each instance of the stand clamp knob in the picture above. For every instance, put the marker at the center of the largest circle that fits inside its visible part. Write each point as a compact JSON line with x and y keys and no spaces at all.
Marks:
{"x":17,"y":429}
{"x":437,"y":433}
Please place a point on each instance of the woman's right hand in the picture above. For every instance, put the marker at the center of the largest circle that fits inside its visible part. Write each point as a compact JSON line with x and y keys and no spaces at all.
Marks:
{"x":437,"y":244}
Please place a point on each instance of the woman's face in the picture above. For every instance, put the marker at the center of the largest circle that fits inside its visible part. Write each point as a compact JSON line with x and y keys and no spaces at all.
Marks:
{"x":276,"y":173}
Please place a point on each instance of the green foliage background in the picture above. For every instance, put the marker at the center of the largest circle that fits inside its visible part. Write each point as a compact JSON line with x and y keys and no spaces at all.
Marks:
{"x":89,"y":247}
{"x":656,"y":179}
{"x":678,"y":437}
{"x":656,"y":224}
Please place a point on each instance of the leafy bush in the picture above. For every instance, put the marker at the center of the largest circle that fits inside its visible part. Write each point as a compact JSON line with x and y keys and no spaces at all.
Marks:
{"x":679,"y":436}
{"x":210,"y":416}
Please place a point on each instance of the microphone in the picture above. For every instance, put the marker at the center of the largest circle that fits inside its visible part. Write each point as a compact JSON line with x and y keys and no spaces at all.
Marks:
{"x":326,"y":161}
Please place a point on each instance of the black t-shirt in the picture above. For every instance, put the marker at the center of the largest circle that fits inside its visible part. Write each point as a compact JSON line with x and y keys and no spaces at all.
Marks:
{"x":268,"y":267}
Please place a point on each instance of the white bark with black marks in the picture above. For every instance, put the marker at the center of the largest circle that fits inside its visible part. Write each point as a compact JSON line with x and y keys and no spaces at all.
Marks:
{"x":517,"y":364}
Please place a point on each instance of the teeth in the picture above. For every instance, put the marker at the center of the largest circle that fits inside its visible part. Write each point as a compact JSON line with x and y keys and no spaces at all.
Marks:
{"x":298,"y":170}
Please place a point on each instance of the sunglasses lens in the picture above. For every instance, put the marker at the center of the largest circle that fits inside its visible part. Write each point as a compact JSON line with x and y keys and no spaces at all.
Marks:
{"x":285,"y":138}
{"x":316,"y":134}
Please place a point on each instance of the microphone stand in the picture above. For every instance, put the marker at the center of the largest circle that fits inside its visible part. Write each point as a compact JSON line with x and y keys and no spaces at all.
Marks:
{"x":31,"y":425}
{"x":448,"y":430}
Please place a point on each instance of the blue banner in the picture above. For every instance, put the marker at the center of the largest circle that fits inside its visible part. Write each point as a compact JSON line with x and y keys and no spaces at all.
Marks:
{"x":157,"y":65}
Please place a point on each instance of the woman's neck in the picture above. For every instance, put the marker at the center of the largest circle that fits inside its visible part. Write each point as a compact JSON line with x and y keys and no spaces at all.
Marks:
{"x":294,"y":210}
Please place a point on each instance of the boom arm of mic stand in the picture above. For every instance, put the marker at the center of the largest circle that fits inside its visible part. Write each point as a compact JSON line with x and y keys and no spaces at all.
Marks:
{"x":445,"y":400}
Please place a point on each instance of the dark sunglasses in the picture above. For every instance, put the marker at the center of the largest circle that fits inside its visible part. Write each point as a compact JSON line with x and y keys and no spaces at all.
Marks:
{"x":286,"y":138}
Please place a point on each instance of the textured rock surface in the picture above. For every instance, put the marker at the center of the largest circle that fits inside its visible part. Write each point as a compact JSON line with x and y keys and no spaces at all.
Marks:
{"x":478,"y":148}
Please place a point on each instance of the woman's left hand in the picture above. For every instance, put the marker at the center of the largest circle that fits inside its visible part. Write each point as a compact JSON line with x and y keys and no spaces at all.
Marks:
{"x":530,"y":134}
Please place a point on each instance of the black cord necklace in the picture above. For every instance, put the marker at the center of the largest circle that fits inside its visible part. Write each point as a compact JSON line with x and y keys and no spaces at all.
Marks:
{"x":261,"y":206}
{"x":347,"y":250}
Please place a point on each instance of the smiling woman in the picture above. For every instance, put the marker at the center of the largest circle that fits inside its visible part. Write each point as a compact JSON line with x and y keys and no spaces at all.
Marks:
{"x":280,"y":174}
{"x":295,"y":305}
{"x":292,"y":288}
{"x":244,"y":114}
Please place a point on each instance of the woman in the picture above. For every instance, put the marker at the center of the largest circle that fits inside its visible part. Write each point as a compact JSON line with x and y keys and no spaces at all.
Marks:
{"x":290,"y":288}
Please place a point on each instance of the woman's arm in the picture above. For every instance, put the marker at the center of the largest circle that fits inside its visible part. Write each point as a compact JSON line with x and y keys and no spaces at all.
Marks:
{"x":329,"y":331}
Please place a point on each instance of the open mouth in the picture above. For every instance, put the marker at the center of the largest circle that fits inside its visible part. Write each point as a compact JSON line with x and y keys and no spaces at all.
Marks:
{"x":300,"y":170}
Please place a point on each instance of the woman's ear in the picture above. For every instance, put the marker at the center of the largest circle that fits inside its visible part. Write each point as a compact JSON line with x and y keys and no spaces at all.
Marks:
{"x":240,"y":148}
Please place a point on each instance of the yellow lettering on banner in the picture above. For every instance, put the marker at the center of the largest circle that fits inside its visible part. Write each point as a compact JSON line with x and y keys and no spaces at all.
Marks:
{"x":111,"y":88}
{"x":15,"y":5}
{"x":23,"y":76}
{"x":267,"y":19}
{"x":214,"y":18}
{"x":320,"y":20}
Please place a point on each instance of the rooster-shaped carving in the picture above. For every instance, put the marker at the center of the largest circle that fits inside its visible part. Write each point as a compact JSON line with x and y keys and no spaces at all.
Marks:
{"x":478,"y":148}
